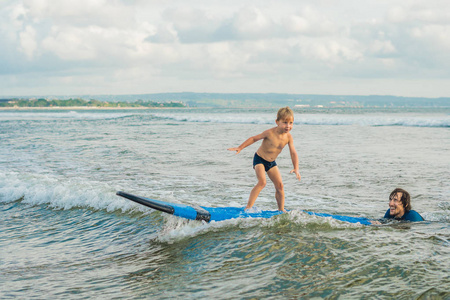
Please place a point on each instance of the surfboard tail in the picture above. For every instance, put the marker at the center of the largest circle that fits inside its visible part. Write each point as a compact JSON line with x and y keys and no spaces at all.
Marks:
{"x":180,"y":210}
{"x":152,"y":204}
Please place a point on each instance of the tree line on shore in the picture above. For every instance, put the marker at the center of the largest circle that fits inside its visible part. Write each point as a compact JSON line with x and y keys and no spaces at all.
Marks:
{"x":84,"y":103}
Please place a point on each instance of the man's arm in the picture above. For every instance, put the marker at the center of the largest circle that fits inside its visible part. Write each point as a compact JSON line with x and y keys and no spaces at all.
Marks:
{"x":294,"y":157}
{"x":383,"y":220}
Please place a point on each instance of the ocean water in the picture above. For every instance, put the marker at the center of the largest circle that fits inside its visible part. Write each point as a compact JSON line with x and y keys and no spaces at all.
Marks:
{"x":64,"y":234}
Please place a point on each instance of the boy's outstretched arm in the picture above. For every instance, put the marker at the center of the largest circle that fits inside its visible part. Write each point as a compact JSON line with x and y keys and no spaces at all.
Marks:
{"x":294,"y":157}
{"x":247,"y":142}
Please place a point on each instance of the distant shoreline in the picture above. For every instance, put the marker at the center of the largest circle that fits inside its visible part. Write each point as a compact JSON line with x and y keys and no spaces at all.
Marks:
{"x":85,"y":108}
{"x":226,"y":100}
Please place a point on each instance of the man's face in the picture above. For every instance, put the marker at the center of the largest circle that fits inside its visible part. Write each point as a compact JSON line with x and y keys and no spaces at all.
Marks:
{"x":397,"y":210}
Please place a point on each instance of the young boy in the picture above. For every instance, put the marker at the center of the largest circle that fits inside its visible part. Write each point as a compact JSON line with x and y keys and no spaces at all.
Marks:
{"x":274,"y":140}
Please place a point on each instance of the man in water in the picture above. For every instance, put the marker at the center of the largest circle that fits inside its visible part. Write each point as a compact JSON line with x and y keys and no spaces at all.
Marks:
{"x":400,"y":207}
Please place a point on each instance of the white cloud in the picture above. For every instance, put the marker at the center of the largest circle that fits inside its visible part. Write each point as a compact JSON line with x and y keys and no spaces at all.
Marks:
{"x":422,"y":11}
{"x":28,"y":44}
{"x":436,"y":35}
{"x":80,"y":13}
{"x":330,"y":51}
{"x":310,"y":22}
{"x":212,"y":46}
{"x":16,"y":15}
{"x":382,"y":48}
{"x":225,"y":59}
{"x":252,"y":23}
{"x":397,"y":14}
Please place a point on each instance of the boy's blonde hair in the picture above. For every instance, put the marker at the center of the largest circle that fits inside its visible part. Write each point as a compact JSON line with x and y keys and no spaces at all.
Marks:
{"x":284,"y":113}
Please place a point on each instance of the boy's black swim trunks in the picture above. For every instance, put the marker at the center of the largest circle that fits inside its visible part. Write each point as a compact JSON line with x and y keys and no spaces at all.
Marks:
{"x":267,"y":164}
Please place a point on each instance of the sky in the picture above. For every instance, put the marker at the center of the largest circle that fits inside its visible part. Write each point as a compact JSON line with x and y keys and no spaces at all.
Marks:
{"x":346,"y":47}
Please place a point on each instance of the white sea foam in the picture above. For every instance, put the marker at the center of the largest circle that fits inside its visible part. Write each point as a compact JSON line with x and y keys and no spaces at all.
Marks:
{"x":435,"y":119}
{"x":431,"y":120}
{"x":176,"y":229}
{"x":304,"y":219}
{"x":37,"y":189}
{"x":60,"y":115}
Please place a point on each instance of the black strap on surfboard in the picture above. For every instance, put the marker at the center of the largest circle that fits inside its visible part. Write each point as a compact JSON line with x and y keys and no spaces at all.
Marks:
{"x":158,"y":206}
{"x":202,"y":214}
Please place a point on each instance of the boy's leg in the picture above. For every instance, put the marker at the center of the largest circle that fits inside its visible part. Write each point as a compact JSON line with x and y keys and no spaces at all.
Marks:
{"x":261,"y":176}
{"x":275,"y":176}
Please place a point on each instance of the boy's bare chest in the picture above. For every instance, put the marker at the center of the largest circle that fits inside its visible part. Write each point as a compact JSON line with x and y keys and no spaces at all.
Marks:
{"x":276,"y":142}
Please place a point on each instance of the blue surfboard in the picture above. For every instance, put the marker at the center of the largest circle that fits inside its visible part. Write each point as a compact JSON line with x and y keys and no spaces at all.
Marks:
{"x":208,"y":214}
